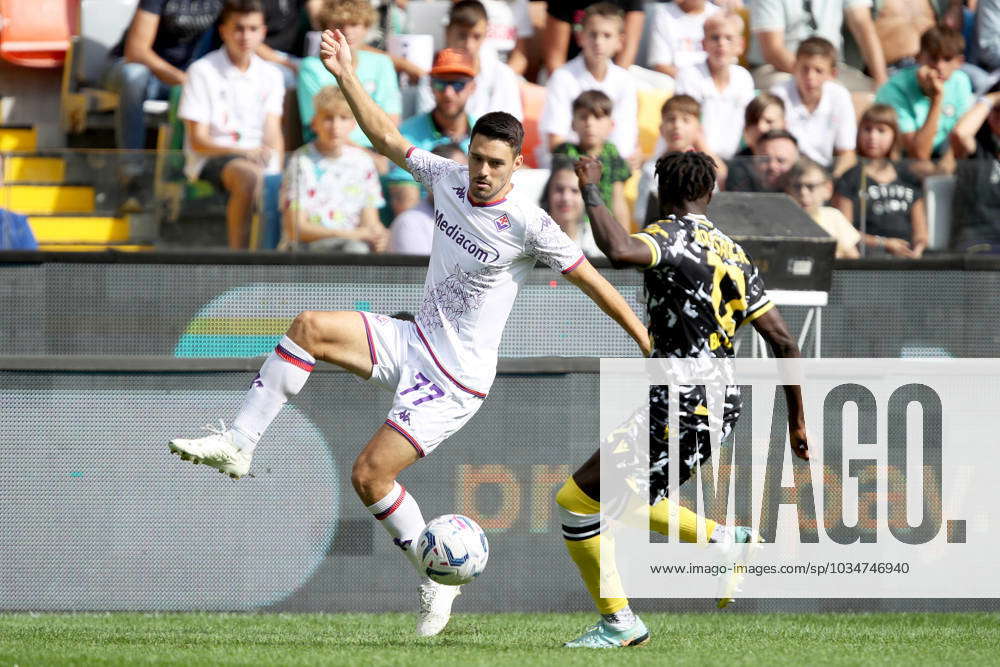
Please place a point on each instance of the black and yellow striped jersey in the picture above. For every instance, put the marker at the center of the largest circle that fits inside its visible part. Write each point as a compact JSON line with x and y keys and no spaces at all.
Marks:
{"x":701,"y":286}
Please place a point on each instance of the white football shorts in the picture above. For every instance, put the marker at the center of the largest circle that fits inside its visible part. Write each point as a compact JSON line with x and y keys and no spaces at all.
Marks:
{"x":429,"y":404}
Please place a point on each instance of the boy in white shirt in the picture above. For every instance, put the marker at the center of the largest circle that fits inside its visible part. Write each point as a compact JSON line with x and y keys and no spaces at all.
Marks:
{"x":676,"y":40}
{"x":600,"y":40}
{"x":231,"y":107}
{"x":722,"y":87}
{"x":818,"y":110}
{"x":498,"y":88}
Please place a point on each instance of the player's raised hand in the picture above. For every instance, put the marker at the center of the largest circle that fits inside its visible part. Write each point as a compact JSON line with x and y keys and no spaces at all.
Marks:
{"x":588,"y":170}
{"x":335,"y":53}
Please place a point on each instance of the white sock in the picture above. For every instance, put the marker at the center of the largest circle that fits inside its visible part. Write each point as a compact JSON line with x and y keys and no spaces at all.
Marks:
{"x":399,"y":513}
{"x":283,"y":374}
{"x":623,"y":619}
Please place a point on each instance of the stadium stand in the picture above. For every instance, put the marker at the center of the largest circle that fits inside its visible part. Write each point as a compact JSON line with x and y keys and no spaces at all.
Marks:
{"x":36,"y":33}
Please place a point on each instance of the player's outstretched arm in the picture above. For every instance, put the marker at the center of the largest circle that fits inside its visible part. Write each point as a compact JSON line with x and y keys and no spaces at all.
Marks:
{"x":603,"y":293}
{"x":771,"y":325}
{"x":623,"y":250}
{"x":376,"y":124}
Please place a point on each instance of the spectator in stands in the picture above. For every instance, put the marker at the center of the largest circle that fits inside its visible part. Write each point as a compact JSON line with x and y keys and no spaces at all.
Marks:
{"x":509,"y":30}
{"x":453,"y":82}
{"x":412,"y":232}
{"x":564,"y":21}
{"x":676,"y":38}
{"x":976,"y":139}
{"x":818,"y":110}
{"x":562,"y":200}
{"x":779,"y":26}
{"x":498,"y":88}
{"x":882,"y":197}
{"x":593,"y":70}
{"x":287,"y":24}
{"x":592,"y":123}
{"x":330,"y":193}
{"x":764,"y":113}
{"x":774,"y":154}
{"x":809,"y":184}
{"x":160,"y":44}
{"x":231,"y":108}
{"x":986,"y":49}
{"x":720,"y":85}
{"x":931,"y":97}
{"x":680,"y":129}
{"x":375,"y":70}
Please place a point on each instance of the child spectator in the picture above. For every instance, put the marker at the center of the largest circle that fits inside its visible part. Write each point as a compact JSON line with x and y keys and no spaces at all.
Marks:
{"x":930,"y":97}
{"x":779,"y":26}
{"x":764,"y":113}
{"x":723,"y":88}
{"x":330,"y":191}
{"x":412,"y":232}
{"x":562,"y":200}
{"x":880,"y":195}
{"x":498,"y":88}
{"x":775,"y":152}
{"x":563,"y":23}
{"x":680,"y":129}
{"x":354,"y":18}
{"x":976,"y":139}
{"x":593,"y":70}
{"x":676,"y":38}
{"x":818,"y":110}
{"x":810,"y":186}
{"x":231,"y":107}
{"x":592,"y":123}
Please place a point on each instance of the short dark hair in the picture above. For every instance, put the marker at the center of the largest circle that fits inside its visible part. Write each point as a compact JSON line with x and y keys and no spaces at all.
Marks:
{"x":940,"y":41}
{"x":501,"y":126}
{"x":684,"y":176}
{"x":817,"y":46}
{"x":755,"y":109}
{"x":467,"y":13}
{"x":681,"y":104}
{"x":771,"y":135}
{"x":594,"y":101}
{"x":230,"y":7}
{"x":448,"y":150}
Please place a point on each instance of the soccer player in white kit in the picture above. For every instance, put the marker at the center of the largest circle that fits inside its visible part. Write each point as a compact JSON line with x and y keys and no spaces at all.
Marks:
{"x":486,"y":240}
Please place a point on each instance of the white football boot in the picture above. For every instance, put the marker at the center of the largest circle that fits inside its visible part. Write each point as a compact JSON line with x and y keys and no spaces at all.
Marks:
{"x":435,"y":607}
{"x":216,"y":450}
{"x":739,"y":545}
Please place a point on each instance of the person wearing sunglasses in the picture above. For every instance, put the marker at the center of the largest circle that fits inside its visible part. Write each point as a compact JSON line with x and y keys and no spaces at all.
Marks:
{"x":452,"y":83}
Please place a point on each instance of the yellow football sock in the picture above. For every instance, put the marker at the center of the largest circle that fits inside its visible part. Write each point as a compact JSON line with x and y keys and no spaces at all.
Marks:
{"x":659,"y":517}
{"x":586,"y":553}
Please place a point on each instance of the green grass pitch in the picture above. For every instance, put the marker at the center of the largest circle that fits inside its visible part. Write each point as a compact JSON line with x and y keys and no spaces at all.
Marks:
{"x":494,"y":639}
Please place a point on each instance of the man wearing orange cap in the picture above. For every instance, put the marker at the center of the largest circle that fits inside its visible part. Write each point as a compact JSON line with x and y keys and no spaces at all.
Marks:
{"x":452,"y":82}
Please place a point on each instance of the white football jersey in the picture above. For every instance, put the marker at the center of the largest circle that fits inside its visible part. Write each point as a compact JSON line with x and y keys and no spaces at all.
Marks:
{"x":480,"y":256}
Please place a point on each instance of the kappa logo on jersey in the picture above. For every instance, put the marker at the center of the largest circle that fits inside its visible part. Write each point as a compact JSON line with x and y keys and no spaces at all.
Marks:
{"x":502,"y":223}
{"x":257,"y":382}
{"x":403,"y":416}
{"x":459,"y":192}
{"x":475,"y":245}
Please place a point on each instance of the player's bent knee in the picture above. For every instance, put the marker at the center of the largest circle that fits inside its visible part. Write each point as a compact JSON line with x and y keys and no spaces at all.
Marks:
{"x":566,"y":495}
{"x":305,"y":330}
{"x":367,"y":477}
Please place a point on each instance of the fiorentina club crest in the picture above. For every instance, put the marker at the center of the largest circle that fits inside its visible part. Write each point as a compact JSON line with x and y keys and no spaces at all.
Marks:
{"x":502,"y":223}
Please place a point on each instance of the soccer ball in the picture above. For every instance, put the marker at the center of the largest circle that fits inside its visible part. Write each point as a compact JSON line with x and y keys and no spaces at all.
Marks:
{"x":453,"y":549}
